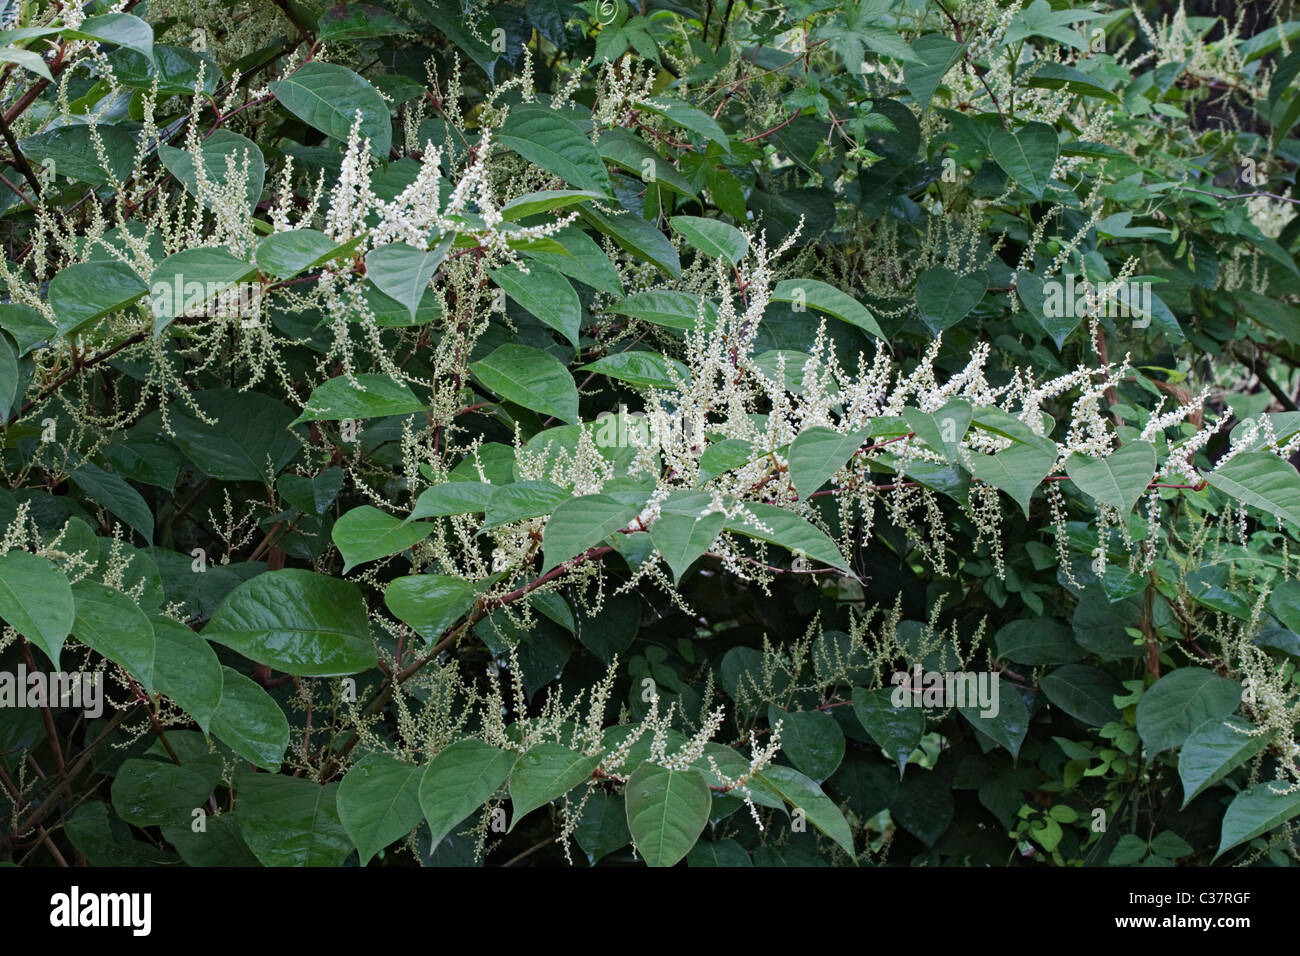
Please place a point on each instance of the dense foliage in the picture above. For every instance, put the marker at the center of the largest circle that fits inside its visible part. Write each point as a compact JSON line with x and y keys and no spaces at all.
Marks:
{"x":539,"y":432}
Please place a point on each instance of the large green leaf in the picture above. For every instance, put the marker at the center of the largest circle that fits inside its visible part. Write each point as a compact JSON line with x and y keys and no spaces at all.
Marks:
{"x":674,"y":310}
{"x":109,"y":622}
{"x":458,"y":781}
{"x":713,"y":238}
{"x":810,"y":739}
{"x":372,"y":396}
{"x":1027,"y":155}
{"x":804,"y":794}
{"x":543,"y":773}
{"x":36,"y":600}
{"x":430,"y":603}
{"x":544,"y":292}
{"x":186,"y":670}
{"x":666,"y":812}
{"x":379,"y":802}
{"x":1084,"y":693}
{"x":686,"y":527}
{"x":402,"y":272}
{"x":582,"y":523}
{"x":298,"y":622}
{"x":250,"y":722}
{"x":944,"y":298}
{"x":366,"y":534}
{"x":1261,"y":480}
{"x":897,"y":730}
{"x":804,"y":293}
{"x":191,"y":281}
{"x":1215,"y":749}
{"x":1181,"y":701}
{"x":556,"y":144}
{"x":1017,"y":470}
{"x":248,"y":439}
{"x":1120,"y":478}
{"x":817,"y":453}
{"x":291,"y":821}
{"x":150,"y":793}
{"x":113,"y":492}
{"x":87,"y":291}
{"x":1256,"y":811}
{"x":943,"y":429}
{"x":785,"y":530}
{"x":529,"y":377}
{"x":327,"y":97}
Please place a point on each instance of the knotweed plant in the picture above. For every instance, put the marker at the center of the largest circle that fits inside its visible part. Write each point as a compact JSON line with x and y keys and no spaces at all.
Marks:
{"x":567,"y":432}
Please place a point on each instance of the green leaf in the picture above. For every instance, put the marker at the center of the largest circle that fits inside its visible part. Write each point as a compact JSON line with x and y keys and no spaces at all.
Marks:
{"x":581,"y":523}
{"x":430,"y":603}
{"x":521,"y":500}
{"x":817,"y":454}
{"x":532,"y":378}
{"x":250,"y":722}
{"x":379,"y":802}
{"x":116,"y":495}
{"x":451,"y":498}
{"x":1017,"y":470}
{"x":75,"y":151}
{"x":148,"y":793}
{"x":402,"y":272}
{"x":545,"y":293}
{"x":711,"y":237}
{"x":191,"y":281}
{"x":1262,"y":480}
{"x":27,"y":60}
{"x":810,"y":739}
{"x":944,"y":298}
{"x":545,"y":772}
{"x":291,"y":821}
{"x":1084,"y":693}
{"x":27,"y":326}
{"x":186,"y":670}
{"x":327,"y":97}
{"x":545,"y":200}
{"x":36,"y":601}
{"x":374,"y":395}
{"x":602,"y":829}
{"x":213,"y":153}
{"x":638,"y":237}
{"x":687,"y":117}
{"x":897,"y":730}
{"x":1255,"y":812}
{"x":460,"y":780}
{"x":1215,"y":749}
{"x":804,"y":794}
{"x":686,"y":527}
{"x":1181,"y":701}
{"x":621,"y":147}
{"x":87,"y":291}
{"x":110,"y":623}
{"x":828,"y":299}
{"x":944,"y":429}
{"x":674,"y":310}
{"x":645,"y":369}
{"x":789,"y":531}
{"x":1005,"y":720}
{"x":666,"y":812}
{"x":936,"y":54}
{"x":297,"y":622}
{"x":366,"y":534}
{"x":1036,"y":641}
{"x":556,"y":144}
{"x":1119,"y":479}
{"x":1027,"y":155}
{"x":119,"y":29}
{"x":287,"y":254}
